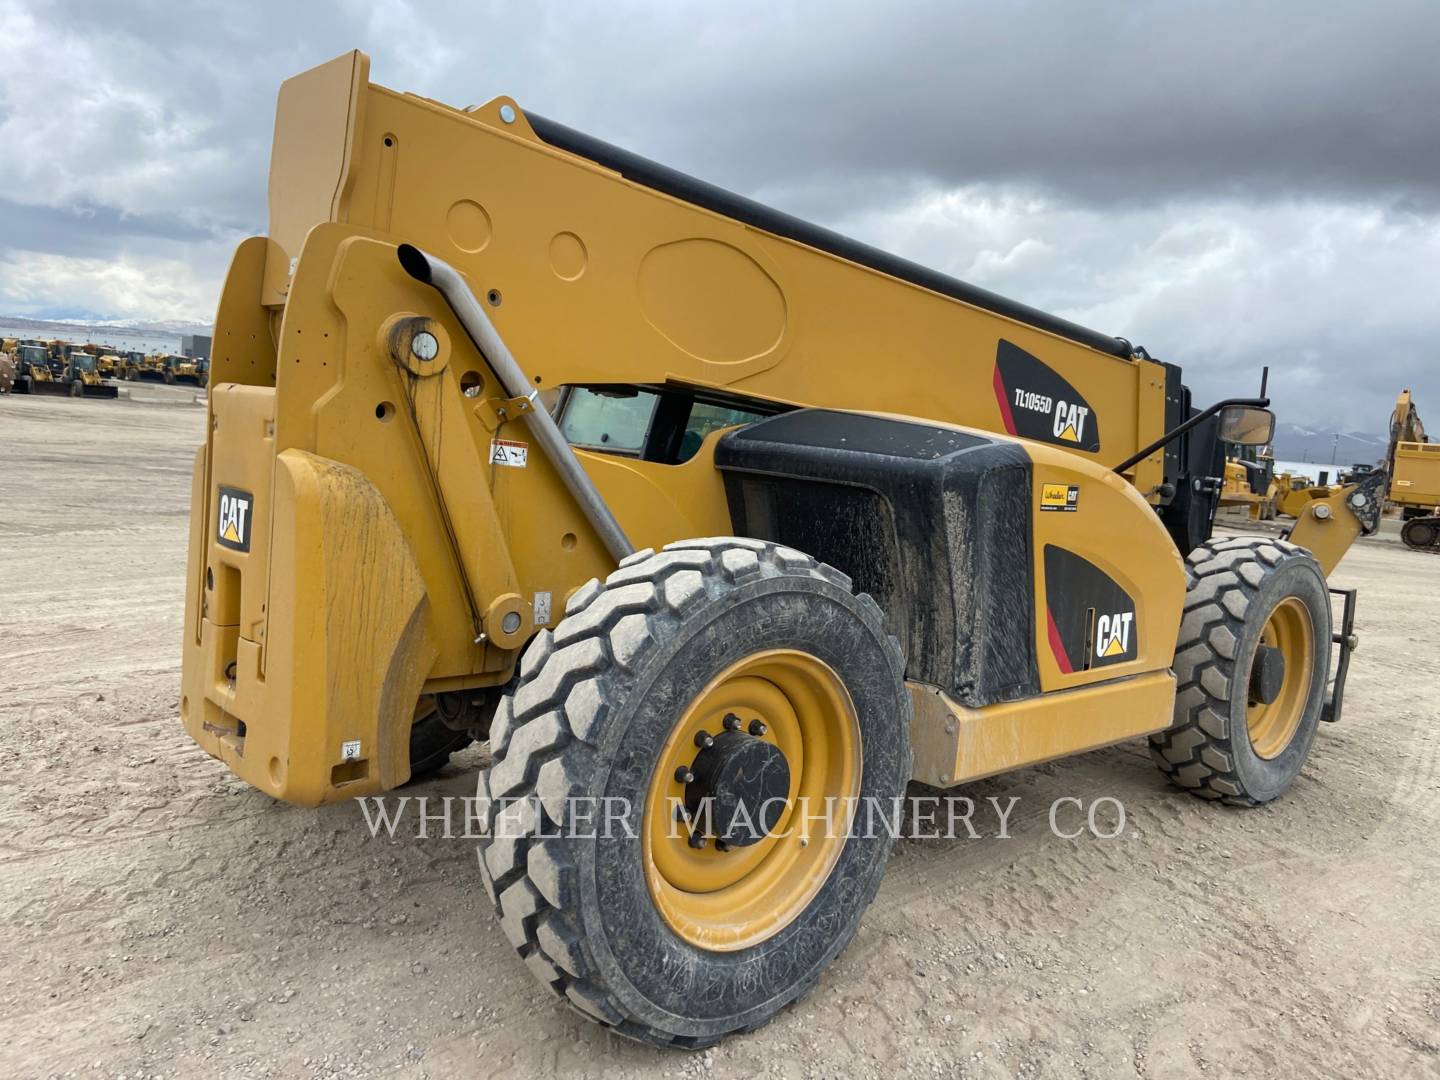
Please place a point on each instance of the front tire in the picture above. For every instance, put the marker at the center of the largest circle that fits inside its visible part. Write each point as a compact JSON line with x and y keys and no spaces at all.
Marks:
{"x":1251,"y":667}
{"x":432,"y":742}
{"x":670,"y":942}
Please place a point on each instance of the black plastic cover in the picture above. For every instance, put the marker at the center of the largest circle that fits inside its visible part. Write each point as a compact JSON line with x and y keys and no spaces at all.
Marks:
{"x":933,"y":523}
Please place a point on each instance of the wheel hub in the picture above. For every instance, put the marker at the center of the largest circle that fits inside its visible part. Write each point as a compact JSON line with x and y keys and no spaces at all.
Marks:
{"x":1280,"y":677}
{"x":1267,"y":675}
{"x":736,"y":789}
{"x":735,"y":880}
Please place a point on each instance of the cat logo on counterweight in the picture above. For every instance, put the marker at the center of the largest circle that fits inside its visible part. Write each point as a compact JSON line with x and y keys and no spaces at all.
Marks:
{"x":232,"y":525}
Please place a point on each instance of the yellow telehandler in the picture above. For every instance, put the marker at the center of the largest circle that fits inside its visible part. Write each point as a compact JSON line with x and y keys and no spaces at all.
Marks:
{"x":720,"y":527}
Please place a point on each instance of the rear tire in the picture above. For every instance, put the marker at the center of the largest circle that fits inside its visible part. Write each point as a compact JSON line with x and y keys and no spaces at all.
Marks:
{"x":598,"y":703}
{"x":1227,"y":743}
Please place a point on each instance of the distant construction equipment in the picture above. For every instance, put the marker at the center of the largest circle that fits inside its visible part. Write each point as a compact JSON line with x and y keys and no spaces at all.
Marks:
{"x":35,"y":366}
{"x":1413,"y":462}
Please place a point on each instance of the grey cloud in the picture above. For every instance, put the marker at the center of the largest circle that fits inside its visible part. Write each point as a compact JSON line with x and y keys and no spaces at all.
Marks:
{"x":1232,"y":184}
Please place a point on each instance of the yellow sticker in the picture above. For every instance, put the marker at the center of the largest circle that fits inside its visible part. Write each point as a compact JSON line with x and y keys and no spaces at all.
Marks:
{"x":1060,"y":497}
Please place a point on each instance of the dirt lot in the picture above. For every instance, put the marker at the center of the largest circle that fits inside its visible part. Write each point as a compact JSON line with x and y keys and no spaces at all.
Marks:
{"x":161,"y":918}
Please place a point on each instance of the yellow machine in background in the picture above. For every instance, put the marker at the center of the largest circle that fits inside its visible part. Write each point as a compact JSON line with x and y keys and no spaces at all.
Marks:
{"x":82,"y":375}
{"x":176,"y":368}
{"x":696,"y":512}
{"x":110,"y":365}
{"x":1413,"y":464}
{"x":149,"y":366}
{"x":1251,"y":484}
{"x":32,"y":368}
{"x":1294,"y":492}
{"x":7,"y":365}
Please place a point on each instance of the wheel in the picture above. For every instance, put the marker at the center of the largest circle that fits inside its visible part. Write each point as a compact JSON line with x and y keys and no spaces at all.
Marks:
{"x":77,"y":388}
{"x":202,"y":381}
{"x":1421,"y":532}
{"x":22,"y":384}
{"x":131,"y":376}
{"x":169,"y":377}
{"x":708,"y":700}
{"x":1251,"y":668}
{"x":432,"y":741}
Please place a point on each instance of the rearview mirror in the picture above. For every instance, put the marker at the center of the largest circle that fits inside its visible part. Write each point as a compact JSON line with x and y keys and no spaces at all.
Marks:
{"x":1245,"y":425}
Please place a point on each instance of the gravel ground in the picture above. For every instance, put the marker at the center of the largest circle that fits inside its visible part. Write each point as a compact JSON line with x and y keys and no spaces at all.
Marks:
{"x":162,"y":919}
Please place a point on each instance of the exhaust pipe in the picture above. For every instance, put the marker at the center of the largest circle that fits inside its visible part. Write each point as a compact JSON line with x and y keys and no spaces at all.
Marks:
{"x":447,"y":281}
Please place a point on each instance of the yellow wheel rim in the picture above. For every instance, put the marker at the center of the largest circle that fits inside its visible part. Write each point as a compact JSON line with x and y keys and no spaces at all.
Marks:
{"x":723,"y":900}
{"x":1273,"y":725}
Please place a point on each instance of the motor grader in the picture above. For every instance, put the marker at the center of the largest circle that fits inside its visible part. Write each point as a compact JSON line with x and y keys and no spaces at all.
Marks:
{"x":1412,"y":463}
{"x":709,"y":517}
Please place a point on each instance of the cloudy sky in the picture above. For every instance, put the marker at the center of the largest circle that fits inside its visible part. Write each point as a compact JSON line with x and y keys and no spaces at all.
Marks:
{"x":1230,"y":184}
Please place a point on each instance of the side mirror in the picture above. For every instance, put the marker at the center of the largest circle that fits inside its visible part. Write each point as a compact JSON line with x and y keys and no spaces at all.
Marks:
{"x":1246,"y":425}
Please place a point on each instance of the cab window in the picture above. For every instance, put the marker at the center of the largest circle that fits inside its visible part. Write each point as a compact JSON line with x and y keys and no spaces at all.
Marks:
{"x":666,"y":426}
{"x":614,"y":421}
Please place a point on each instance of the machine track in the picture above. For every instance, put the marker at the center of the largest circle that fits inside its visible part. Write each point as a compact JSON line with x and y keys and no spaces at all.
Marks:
{"x":1422,"y":533}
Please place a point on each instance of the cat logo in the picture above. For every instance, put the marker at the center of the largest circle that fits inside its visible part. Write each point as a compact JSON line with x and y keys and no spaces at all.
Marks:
{"x":1036,"y":402}
{"x":1112,"y":634}
{"x":232,"y":528}
{"x":1070,"y":421}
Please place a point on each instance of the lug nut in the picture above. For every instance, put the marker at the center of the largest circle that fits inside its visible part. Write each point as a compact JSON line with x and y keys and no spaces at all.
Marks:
{"x":696,"y":840}
{"x":732,"y":722}
{"x":684,"y":776}
{"x":703,"y":740}
{"x":758,"y":728}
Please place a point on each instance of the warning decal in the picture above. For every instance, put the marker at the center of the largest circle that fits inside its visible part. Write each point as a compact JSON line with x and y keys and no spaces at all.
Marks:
{"x":509,"y":452}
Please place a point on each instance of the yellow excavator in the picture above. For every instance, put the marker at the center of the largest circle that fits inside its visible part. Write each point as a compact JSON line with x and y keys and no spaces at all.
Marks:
{"x":1412,"y":463}
{"x":719,"y":527}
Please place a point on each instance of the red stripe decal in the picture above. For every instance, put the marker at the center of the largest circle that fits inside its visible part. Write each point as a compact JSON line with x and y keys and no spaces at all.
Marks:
{"x":1056,"y":645}
{"x":1003,"y":400}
